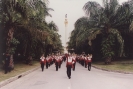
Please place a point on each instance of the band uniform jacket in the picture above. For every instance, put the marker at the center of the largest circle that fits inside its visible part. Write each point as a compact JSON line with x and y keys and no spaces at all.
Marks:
{"x":43,"y":60}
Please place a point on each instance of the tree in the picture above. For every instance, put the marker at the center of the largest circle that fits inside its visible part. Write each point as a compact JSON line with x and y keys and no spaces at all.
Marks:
{"x":12,"y":12}
{"x":109,"y":21}
{"x":24,"y":22}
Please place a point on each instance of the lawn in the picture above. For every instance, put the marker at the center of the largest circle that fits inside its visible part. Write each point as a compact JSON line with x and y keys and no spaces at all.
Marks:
{"x":18,"y":69}
{"x":122,"y":66}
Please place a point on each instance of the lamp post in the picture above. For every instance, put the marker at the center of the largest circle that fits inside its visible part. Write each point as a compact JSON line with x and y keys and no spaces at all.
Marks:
{"x":66,"y":23}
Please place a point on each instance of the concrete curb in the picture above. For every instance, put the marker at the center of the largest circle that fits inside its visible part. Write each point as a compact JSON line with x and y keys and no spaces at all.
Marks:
{"x":3,"y":83}
{"x":112,"y":70}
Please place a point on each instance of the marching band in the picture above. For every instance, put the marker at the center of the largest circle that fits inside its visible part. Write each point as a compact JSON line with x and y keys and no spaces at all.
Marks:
{"x":70,"y":59}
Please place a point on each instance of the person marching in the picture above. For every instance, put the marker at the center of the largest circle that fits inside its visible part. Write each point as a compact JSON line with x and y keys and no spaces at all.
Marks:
{"x":74,"y":62}
{"x":56,"y":63}
{"x":86,"y":61}
{"x":64,"y":58}
{"x":89,"y":61}
{"x":59,"y":61}
{"x":42,"y":62}
{"x":47,"y":62}
{"x":82,"y":60}
{"x":69,"y":66}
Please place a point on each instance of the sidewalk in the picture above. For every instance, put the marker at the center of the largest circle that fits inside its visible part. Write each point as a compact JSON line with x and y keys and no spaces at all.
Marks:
{"x":112,"y":70}
{"x":3,"y":83}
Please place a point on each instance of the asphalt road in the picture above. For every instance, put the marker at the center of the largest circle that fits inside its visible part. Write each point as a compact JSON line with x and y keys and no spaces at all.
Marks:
{"x":81,"y":79}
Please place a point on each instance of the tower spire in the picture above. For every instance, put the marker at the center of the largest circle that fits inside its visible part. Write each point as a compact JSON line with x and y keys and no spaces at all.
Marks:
{"x":66,"y":22}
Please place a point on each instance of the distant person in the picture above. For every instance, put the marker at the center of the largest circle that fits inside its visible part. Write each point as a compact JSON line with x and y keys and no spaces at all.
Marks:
{"x":42,"y":62}
{"x":60,"y":61}
{"x":64,"y":58}
{"x":73,"y":62}
{"x":47,"y":62}
{"x":69,"y":66}
{"x":56,"y":63}
{"x":89,"y":61}
{"x":86,"y":62}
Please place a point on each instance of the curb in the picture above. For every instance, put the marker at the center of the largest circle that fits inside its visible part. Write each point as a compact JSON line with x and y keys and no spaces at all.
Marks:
{"x":7,"y":81}
{"x":112,"y":70}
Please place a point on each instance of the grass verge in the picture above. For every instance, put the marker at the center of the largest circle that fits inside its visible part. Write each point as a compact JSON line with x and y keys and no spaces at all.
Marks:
{"x":122,"y":66}
{"x":18,"y":69}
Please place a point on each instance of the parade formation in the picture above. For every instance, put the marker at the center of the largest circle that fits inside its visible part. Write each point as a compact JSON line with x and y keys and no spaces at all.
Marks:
{"x":70,"y":59}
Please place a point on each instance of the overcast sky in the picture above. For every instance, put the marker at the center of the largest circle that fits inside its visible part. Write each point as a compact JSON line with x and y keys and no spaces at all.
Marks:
{"x":73,"y":9}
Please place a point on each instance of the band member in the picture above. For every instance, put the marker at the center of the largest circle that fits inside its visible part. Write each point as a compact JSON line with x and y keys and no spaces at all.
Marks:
{"x":89,"y":61}
{"x":74,"y":62}
{"x":64,"y":58}
{"x":77,"y":58}
{"x":56,"y":63}
{"x":47,"y":62}
{"x":51,"y":60}
{"x":66,"y":55}
{"x":82,"y":60}
{"x":85,"y":61}
{"x":59,"y":61}
{"x":42,"y":62}
{"x":69,"y":66}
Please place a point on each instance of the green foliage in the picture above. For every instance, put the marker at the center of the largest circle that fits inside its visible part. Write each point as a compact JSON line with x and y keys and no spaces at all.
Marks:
{"x":14,"y":42}
{"x":107,"y":45}
{"x":110,"y":21}
{"x":27,"y":18}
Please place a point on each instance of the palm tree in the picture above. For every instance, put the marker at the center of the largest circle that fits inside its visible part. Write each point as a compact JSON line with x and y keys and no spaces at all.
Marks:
{"x":53,"y":41}
{"x":26,"y":15}
{"x":12,"y":13}
{"x":108,"y":20}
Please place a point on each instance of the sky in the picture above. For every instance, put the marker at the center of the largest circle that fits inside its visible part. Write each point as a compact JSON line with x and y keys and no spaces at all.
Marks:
{"x":73,"y":9}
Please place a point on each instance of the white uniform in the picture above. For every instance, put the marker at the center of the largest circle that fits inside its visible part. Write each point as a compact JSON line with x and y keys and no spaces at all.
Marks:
{"x":42,"y":58}
{"x":70,"y":59}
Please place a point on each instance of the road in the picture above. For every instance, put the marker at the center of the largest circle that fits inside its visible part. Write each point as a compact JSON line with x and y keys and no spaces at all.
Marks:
{"x":81,"y":79}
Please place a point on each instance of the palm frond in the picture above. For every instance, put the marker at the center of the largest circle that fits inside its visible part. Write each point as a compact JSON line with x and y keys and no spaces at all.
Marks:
{"x":91,"y":8}
{"x":119,"y":39}
{"x":92,"y":35}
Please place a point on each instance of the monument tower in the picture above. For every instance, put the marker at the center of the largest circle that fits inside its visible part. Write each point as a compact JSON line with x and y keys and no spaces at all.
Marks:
{"x":66,"y":23}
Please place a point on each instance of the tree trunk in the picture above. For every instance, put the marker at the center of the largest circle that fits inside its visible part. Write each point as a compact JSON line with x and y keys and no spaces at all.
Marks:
{"x":1,"y":49}
{"x":8,"y":45}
